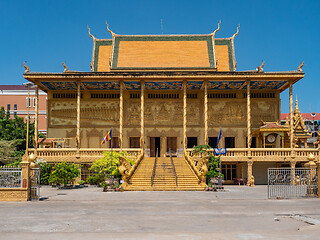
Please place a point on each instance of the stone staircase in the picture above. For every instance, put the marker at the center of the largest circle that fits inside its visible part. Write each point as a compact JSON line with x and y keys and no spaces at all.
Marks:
{"x":164,"y":179}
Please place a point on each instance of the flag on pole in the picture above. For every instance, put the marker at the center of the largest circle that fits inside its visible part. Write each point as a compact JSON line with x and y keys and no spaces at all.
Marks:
{"x":107,"y":137}
{"x":219,"y":138}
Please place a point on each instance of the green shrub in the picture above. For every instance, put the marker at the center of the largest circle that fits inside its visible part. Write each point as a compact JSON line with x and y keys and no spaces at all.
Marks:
{"x":45,"y":172}
{"x":64,"y":173}
{"x":107,"y":166}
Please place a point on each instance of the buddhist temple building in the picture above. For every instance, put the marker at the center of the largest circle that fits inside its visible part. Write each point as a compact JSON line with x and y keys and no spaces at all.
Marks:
{"x":168,"y":93}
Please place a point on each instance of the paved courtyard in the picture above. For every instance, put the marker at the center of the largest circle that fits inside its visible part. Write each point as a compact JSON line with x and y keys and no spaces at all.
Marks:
{"x":237,"y":213}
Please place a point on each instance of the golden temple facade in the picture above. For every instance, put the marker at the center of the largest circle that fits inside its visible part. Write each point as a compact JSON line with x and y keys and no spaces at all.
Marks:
{"x":162,"y":93}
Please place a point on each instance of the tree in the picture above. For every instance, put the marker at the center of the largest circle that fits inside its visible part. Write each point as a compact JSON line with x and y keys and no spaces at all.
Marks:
{"x":64,"y":173}
{"x":13,"y":134}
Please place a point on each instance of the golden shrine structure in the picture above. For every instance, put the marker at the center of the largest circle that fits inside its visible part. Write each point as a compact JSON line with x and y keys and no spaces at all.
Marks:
{"x":168,"y":93}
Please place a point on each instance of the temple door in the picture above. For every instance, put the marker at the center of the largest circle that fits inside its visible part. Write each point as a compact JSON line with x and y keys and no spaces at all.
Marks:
{"x":154,"y":145}
{"x":172,"y":144}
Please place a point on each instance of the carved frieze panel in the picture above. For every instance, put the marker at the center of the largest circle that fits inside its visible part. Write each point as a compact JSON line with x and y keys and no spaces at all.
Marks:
{"x":157,"y":112}
{"x":92,"y":113}
{"x":226,"y":113}
{"x":234,"y":113}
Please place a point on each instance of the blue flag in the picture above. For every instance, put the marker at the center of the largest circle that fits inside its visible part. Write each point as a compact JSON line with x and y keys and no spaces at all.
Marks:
{"x":219,"y":137}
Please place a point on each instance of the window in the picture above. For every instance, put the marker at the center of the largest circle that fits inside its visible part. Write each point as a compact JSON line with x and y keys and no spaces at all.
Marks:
{"x":105,"y":95}
{"x":192,"y":141}
{"x":229,"y":142}
{"x":34,"y":102}
{"x":15,"y":107}
{"x":213,"y":141}
{"x":222,"y":95}
{"x":28,"y":100}
{"x":134,"y":142}
{"x":163,"y":95}
{"x":15,"y":114}
{"x":192,"y":95}
{"x":8,"y":107}
{"x":66,"y":95}
{"x":134,"y":95}
{"x":260,"y":95}
{"x":229,"y":171}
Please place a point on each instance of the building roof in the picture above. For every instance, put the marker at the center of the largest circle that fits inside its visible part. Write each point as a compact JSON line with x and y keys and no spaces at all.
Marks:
{"x":13,"y":87}
{"x":306,"y":116}
{"x":163,"y":52}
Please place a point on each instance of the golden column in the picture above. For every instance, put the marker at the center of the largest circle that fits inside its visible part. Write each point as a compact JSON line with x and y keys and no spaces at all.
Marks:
{"x":291,"y":118}
{"x":142,"y":116}
{"x":184,"y":115}
{"x":121,"y":114}
{"x":78,"y":116}
{"x":206,"y":138}
{"x":248,"y":118}
{"x":36,"y":121}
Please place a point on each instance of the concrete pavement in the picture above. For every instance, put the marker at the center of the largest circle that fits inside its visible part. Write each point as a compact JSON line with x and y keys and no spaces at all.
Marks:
{"x":237,"y":213}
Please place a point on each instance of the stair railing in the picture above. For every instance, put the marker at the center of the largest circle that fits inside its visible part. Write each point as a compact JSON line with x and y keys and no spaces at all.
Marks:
{"x":173,"y":167}
{"x":154,"y":168}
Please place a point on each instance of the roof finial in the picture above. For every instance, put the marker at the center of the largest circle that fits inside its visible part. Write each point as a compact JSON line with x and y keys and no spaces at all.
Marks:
{"x":296,"y":109}
{"x":65,"y":67}
{"x":236,"y":32}
{"x":300,"y":67}
{"x":112,"y":33}
{"x":27,"y":69}
{"x":214,"y":33}
{"x":260,"y":68}
{"x":90,"y":33}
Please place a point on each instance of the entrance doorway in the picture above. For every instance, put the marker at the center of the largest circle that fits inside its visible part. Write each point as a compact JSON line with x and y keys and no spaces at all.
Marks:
{"x":154,"y":145}
{"x":172,"y":145}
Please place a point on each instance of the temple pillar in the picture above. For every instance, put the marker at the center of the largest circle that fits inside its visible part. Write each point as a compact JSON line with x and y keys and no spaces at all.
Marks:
{"x":249,"y":172}
{"x":142,"y":116}
{"x":36,"y":128}
{"x":291,"y":119}
{"x":185,"y":115}
{"x":121,"y":116}
{"x":206,"y":138}
{"x":248,"y":118}
{"x":78,"y":117}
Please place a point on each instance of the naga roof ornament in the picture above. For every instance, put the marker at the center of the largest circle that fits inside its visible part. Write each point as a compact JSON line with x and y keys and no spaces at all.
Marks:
{"x":300,"y":67}
{"x":93,"y":37}
{"x":236,"y":32}
{"x":112,"y":33}
{"x":215,"y":31}
{"x":260,"y":68}
{"x":27,"y":69}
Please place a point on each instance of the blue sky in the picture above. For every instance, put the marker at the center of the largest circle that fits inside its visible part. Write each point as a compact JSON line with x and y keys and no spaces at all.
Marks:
{"x":45,"y":33}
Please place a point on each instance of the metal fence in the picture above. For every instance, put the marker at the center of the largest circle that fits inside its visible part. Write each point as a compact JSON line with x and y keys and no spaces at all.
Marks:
{"x":292,"y":182}
{"x":10,"y":177}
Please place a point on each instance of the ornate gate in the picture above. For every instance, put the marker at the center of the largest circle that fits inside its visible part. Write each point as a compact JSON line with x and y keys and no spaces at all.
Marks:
{"x":34,"y":184}
{"x":292,"y":182}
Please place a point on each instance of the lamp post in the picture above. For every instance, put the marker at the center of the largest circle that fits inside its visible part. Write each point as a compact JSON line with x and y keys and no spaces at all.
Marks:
{"x":313,"y":130}
{"x":29,"y":85}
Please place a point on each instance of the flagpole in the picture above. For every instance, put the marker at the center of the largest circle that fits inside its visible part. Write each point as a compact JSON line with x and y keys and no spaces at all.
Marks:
{"x":111,"y":152}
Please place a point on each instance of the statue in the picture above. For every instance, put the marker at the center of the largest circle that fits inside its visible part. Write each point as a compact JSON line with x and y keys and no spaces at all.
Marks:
{"x":251,"y":181}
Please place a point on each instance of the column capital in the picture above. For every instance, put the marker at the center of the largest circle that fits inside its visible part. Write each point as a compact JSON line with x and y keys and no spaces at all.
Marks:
{"x":250,"y":163}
